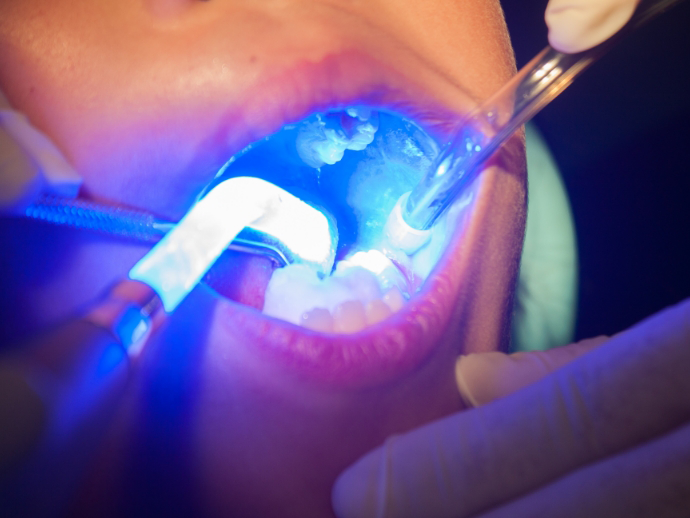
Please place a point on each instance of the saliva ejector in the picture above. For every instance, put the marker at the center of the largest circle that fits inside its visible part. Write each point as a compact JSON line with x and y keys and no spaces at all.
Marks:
{"x":482,"y":132}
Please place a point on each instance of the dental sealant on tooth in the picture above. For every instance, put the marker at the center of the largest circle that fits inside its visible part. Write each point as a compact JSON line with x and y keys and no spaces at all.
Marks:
{"x":177,"y":263}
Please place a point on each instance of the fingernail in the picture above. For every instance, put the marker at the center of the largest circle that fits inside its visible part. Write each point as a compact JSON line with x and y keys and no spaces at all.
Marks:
{"x":485,"y":377}
{"x":475,"y":376}
{"x":580,"y":25}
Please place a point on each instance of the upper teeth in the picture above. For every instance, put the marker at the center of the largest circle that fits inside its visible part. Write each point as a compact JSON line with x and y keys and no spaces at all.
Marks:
{"x":322,"y":139}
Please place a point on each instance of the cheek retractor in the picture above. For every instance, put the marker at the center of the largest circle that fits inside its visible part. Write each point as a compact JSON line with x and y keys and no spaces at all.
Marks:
{"x":176,"y":264}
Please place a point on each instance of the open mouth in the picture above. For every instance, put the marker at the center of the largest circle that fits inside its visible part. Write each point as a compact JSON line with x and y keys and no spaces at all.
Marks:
{"x":162,"y":152}
{"x":375,"y":311}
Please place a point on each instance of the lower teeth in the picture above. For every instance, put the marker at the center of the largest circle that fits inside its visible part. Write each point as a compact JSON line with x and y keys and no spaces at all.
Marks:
{"x":347,"y":301}
{"x":356,"y":164}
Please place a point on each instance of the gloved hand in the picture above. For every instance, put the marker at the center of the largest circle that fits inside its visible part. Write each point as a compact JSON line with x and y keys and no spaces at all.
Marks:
{"x":29,"y":163}
{"x":577,"y":25}
{"x":606,"y":435}
{"x":58,"y":392}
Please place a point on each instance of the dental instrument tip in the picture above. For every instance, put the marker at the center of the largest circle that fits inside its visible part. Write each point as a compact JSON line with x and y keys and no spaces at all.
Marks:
{"x":400,"y":234}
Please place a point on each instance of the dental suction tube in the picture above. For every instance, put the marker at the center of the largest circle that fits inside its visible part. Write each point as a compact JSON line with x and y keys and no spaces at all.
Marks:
{"x":492,"y":123}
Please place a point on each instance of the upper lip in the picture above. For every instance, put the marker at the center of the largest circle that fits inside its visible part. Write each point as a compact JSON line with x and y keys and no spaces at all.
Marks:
{"x":403,"y":341}
{"x":286,"y":94}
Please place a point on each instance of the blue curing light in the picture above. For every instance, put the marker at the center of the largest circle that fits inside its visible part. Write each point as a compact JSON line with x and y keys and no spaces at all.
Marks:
{"x":178,"y":262}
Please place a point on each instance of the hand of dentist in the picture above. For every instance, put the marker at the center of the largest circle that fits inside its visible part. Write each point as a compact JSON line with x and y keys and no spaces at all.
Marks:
{"x":58,"y":392}
{"x":598,"y":429}
{"x":30,"y":163}
{"x":607,"y":435}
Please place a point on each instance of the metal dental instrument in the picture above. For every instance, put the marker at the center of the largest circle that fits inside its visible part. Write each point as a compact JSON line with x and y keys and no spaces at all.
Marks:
{"x":144,"y":227}
{"x":493,"y":122}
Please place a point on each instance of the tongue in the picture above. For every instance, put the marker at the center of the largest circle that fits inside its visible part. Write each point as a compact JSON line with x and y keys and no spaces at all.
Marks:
{"x":241,"y":277}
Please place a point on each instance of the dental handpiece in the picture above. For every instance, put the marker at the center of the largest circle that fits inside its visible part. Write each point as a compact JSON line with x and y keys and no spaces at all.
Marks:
{"x":142,"y":226}
{"x":493,"y":122}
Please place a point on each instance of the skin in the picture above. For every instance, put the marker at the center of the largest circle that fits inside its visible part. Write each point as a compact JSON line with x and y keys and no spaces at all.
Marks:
{"x":227,"y":411}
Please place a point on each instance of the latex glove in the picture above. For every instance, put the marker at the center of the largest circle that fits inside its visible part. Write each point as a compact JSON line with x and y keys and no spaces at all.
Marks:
{"x":29,"y":163}
{"x":577,"y":25}
{"x":57,"y":393}
{"x":606,"y":435}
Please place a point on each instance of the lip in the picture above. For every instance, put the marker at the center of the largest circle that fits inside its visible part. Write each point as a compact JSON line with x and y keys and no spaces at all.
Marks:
{"x":399,"y":344}
{"x":262,"y":102}
{"x":372,"y":356}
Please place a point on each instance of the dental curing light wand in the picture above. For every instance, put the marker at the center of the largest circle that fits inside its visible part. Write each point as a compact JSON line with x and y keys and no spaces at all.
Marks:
{"x":138,"y":225}
{"x":490,"y":125}
{"x":177,"y":263}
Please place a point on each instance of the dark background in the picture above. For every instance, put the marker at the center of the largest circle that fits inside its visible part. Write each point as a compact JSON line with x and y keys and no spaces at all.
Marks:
{"x":620,"y":135}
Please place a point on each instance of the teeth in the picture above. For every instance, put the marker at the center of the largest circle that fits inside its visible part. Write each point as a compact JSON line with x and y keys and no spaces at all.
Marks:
{"x":346,"y":302}
{"x":375,"y":261}
{"x":349,"y":317}
{"x":361,"y":283}
{"x":352,"y":315}
{"x":359,"y":112}
{"x":377,"y":310}
{"x":394,"y":299}
{"x":324,"y":139}
{"x":318,"y":319}
{"x":290,"y":290}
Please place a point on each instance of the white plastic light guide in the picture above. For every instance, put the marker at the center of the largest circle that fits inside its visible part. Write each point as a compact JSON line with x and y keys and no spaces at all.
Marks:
{"x":176,"y":264}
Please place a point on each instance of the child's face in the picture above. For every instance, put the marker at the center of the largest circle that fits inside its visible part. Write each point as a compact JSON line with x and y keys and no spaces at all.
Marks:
{"x":148,"y":98}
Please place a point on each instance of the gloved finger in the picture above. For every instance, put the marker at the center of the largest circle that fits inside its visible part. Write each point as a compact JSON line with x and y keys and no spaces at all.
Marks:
{"x":649,"y":480}
{"x":484,"y":377}
{"x":577,"y":25}
{"x":60,"y":391}
{"x":20,"y":178}
{"x":29,"y":162}
{"x":630,"y":390}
